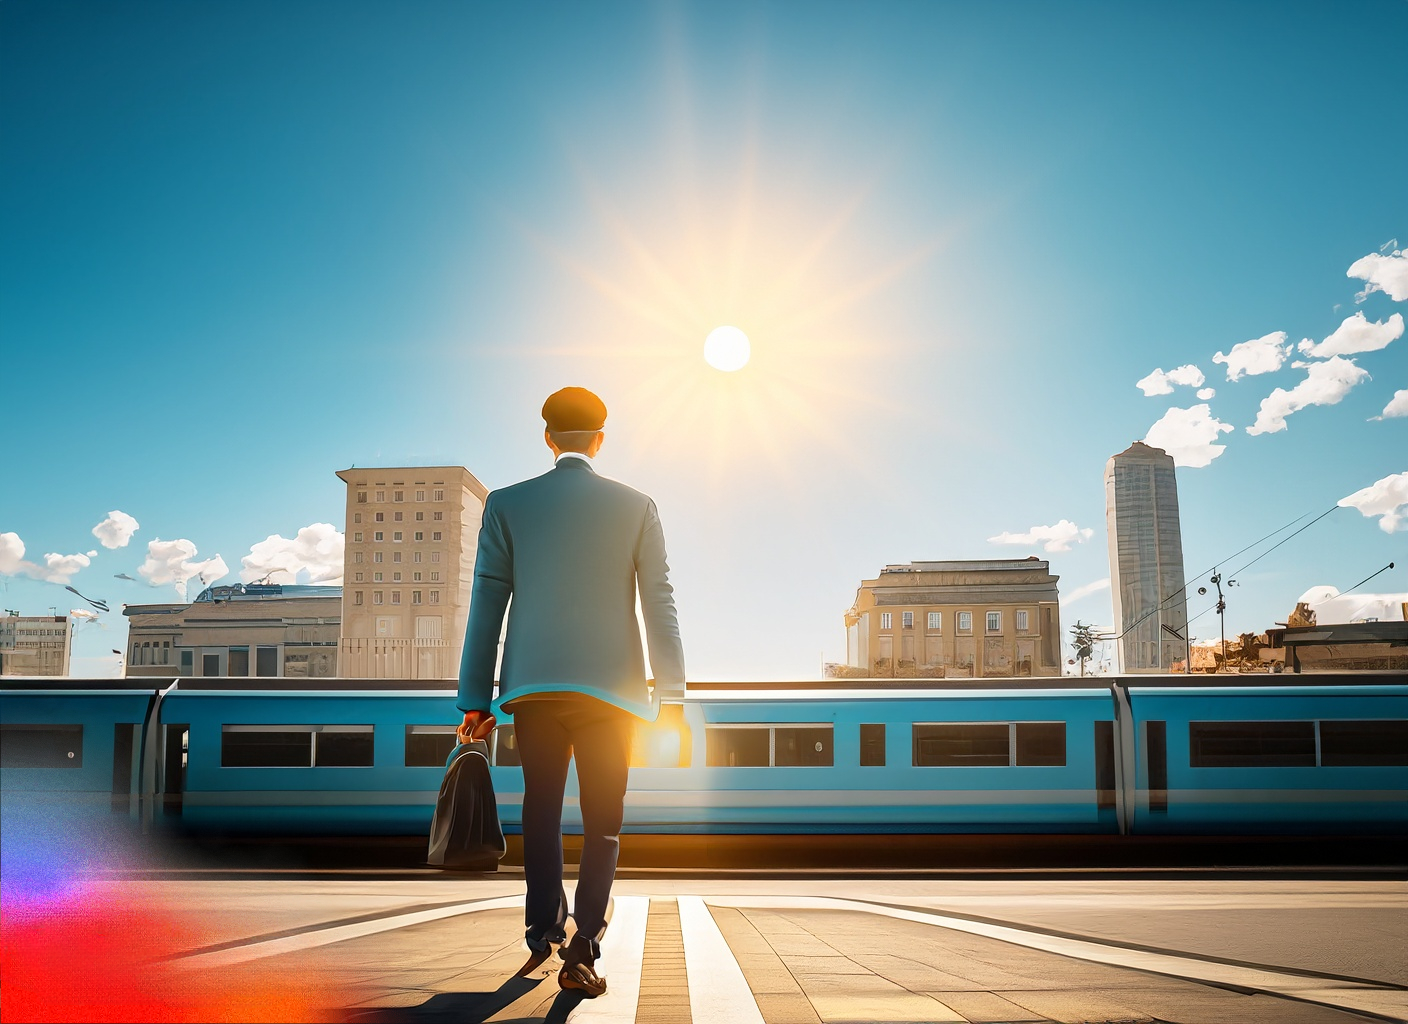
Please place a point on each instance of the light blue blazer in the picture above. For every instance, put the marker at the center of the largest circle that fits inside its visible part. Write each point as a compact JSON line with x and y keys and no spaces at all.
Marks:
{"x":571,"y":547}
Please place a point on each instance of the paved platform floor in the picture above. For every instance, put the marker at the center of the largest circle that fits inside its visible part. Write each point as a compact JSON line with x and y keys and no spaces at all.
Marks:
{"x":1200,"y":950}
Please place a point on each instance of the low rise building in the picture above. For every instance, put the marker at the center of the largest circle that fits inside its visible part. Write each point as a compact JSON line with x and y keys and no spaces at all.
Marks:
{"x":989,"y":618}
{"x":239,"y":630}
{"x":35,"y":645}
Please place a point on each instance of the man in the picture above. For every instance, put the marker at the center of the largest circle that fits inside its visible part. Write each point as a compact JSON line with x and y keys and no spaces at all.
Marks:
{"x":571,"y":548}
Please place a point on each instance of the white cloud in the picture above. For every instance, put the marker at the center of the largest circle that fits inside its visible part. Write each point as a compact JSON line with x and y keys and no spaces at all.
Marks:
{"x":1330,"y":606}
{"x":1189,"y":435}
{"x":1386,"y":498}
{"x":173,"y":561}
{"x":1258,"y":356}
{"x":1160,"y":383}
{"x":56,"y":568}
{"x":1397,"y":406}
{"x":1356,"y":334}
{"x":1387,"y":274}
{"x":313,"y":556}
{"x":1059,"y":537}
{"x":116,"y":530}
{"x":1086,"y":590}
{"x":1325,"y":384}
{"x":1205,"y":393}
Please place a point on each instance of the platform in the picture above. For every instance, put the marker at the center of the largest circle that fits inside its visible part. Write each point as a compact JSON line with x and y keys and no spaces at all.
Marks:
{"x":1198,"y":949}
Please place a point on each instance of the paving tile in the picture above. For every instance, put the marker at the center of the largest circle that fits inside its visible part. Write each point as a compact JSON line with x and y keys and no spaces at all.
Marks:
{"x":987,"y":1008}
{"x":664,"y":983}
{"x":780,"y":998}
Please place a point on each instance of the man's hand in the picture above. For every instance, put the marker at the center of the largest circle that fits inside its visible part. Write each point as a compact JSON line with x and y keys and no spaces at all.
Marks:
{"x":477,"y":725}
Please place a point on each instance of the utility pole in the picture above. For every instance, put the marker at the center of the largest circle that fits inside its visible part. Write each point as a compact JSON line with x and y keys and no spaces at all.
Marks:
{"x":1216,"y":581}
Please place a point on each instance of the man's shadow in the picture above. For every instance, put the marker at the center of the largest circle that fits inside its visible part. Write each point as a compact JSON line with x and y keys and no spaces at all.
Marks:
{"x":469,"y":1007}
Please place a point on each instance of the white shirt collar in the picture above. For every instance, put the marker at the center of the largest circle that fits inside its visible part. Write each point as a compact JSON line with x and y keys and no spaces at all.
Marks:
{"x":574,"y":455}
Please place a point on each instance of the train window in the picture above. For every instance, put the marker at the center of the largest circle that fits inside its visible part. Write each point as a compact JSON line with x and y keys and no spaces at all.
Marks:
{"x":1251,"y":744}
{"x":961,"y":744}
{"x":429,"y":746}
{"x":266,"y":746}
{"x":344,"y":746}
{"x":1104,"y":764}
{"x":1364,"y":743}
{"x":872,"y":746}
{"x":1041,"y":743}
{"x":41,"y":746}
{"x":506,"y":753}
{"x":739,"y":747}
{"x":809,"y":746}
{"x":1156,"y":752}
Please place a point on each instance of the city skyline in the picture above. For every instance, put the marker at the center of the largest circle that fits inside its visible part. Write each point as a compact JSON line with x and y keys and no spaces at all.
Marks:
{"x":976,"y":251}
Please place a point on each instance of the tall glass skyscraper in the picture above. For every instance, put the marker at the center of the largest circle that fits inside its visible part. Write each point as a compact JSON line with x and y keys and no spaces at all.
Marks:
{"x":1146,"y":559}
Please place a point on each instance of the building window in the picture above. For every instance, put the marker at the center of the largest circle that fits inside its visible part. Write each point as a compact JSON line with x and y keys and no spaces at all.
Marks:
{"x":415,"y":597}
{"x":376,"y":597}
{"x":396,"y":556}
{"x":377,"y":576}
{"x":435,"y":556}
{"x":380,"y":517}
{"x":885,"y":620}
{"x":415,"y":577}
{"x":239,"y":661}
{"x":357,"y":577}
{"x":437,"y":535}
{"x":420,"y":495}
{"x":378,"y":536}
{"x":965,"y":622}
{"x":376,"y":556}
{"x":435,"y":597}
{"x":1022,"y":620}
{"x":380,"y":495}
{"x":438,"y":496}
{"x":398,"y":516}
{"x":907,"y":620}
{"x":361,"y":497}
{"x":936,"y":621}
{"x":395,"y":577}
{"x":994,"y":622}
{"x":435,"y":575}
{"x":420,"y":517}
{"x":420,"y":535}
{"x":356,"y":517}
{"x":266,"y":661}
{"x":398,"y":495}
{"x":395,"y":597}
{"x":357,"y":537}
{"x":356,"y":597}
{"x":415,"y":557}
{"x":398,"y":536}
{"x":357,"y":557}
{"x":439,"y":516}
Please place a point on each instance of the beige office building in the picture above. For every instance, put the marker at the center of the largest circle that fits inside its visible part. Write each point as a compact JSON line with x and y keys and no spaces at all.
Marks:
{"x":991,"y":618}
{"x":412,"y":534}
{"x":35,"y":645}
{"x":268,"y":630}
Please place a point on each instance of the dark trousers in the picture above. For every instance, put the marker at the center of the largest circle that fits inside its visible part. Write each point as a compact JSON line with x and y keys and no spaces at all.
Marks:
{"x":550,"y":732}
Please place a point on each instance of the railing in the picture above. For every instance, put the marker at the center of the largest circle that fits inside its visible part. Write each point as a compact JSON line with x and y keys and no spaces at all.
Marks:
{"x":395,"y":657}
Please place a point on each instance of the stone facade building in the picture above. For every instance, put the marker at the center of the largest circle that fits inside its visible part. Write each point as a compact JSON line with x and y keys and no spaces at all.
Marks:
{"x":1146,"y":560}
{"x":35,"y":645}
{"x":238,"y":630}
{"x":412,"y":536}
{"x":990,"y":618}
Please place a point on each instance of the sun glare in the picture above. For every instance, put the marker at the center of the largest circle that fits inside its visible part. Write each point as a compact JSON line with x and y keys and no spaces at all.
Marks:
{"x":727,"y":349}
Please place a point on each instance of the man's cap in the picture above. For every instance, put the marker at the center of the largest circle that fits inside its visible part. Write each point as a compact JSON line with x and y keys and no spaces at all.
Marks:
{"x":574,"y":409}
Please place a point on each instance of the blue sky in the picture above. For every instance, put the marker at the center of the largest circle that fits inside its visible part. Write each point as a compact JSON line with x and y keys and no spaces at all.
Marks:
{"x":246,"y":245}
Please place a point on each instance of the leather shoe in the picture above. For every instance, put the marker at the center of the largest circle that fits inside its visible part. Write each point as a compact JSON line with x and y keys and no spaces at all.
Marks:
{"x":581,"y":977}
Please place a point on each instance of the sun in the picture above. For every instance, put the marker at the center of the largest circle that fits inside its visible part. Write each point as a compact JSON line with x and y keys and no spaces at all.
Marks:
{"x":727,"y":349}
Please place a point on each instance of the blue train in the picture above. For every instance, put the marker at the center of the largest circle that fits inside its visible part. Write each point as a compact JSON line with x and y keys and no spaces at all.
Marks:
{"x":1123,"y":755}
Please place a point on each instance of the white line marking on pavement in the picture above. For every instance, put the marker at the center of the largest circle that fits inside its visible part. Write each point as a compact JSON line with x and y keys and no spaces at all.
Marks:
{"x":622,"y":953}
{"x":718,"y":991}
{"x":339,"y":933}
{"x":1343,"y":995}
